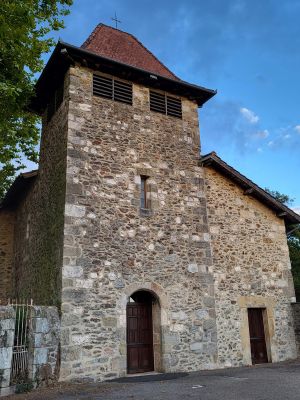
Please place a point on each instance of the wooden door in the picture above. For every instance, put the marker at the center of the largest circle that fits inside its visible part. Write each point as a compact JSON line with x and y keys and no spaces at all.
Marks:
{"x":257,"y":336}
{"x":139,"y":338}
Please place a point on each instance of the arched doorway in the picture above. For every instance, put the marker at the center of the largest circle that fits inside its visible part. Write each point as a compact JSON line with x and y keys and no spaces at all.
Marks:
{"x":143,"y":315}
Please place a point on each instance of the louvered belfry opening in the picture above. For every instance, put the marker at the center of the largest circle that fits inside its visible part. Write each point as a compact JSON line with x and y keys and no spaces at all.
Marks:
{"x":157,"y":102}
{"x":174,"y":107}
{"x":168,"y":105}
{"x":113,"y":89}
{"x":122,"y":91}
{"x":103,"y":86}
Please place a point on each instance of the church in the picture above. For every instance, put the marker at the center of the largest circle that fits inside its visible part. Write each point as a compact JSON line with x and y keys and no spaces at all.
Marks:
{"x":159,"y":258}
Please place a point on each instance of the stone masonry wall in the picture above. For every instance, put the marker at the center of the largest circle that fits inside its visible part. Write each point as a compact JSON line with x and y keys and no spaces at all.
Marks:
{"x":296,"y":314}
{"x":44,"y":345}
{"x":7,"y":328}
{"x":251,"y":269}
{"x":111,"y":249}
{"x":40,"y":218}
{"x":7,"y":222}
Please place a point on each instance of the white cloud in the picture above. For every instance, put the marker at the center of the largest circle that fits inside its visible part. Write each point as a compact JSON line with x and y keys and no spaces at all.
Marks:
{"x":230,"y":119}
{"x":249,"y":115}
{"x":297,"y":128}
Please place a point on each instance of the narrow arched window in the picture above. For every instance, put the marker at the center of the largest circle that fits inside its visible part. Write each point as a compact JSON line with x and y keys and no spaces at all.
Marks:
{"x":145,"y":200}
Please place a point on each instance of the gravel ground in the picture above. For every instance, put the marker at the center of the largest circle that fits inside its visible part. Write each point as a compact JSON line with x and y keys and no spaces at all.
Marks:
{"x":279,"y":381}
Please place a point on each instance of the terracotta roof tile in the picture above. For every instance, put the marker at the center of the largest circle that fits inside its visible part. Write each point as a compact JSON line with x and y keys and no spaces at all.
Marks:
{"x":124,"y":47}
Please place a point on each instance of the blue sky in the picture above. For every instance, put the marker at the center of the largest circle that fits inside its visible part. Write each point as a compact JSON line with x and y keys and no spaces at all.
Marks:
{"x":246,"y":49}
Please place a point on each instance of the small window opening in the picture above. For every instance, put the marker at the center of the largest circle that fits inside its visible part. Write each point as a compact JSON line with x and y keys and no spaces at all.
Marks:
{"x":28,"y":226}
{"x":145,"y":201}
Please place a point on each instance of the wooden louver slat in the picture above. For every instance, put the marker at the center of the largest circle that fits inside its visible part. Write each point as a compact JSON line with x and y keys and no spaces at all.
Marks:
{"x":164,"y":104}
{"x":174,"y":107}
{"x":103,"y":86}
{"x":157,"y":102}
{"x":123,"y":92}
{"x":113,"y":89}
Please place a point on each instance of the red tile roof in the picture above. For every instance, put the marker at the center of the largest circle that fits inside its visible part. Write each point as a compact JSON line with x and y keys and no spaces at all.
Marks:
{"x":124,"y":47}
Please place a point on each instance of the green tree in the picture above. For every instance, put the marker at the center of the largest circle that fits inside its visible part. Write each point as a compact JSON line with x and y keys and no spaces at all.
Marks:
{"x":294,"y":247}
{"x":282,"y":198}
{"x":293,"y":241}
{"x":24,"y":37}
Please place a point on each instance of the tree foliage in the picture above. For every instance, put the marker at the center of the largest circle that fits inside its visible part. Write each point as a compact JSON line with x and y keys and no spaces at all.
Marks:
{"x":24,"y":29}
{"x":282,"y":198}
{"x":293,"y":241}
{"x":294,"y":247}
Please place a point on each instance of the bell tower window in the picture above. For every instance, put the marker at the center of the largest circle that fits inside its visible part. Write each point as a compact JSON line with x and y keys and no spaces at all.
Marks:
{"x":165,"y":104}
{"x":113,"y":89}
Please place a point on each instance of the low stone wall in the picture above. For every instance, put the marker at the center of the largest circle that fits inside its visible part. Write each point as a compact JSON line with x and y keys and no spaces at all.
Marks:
{"x":43,"y":348}
{"x":44,"y":345}
{"x":7,"y":328}
{"x":296,"y":314}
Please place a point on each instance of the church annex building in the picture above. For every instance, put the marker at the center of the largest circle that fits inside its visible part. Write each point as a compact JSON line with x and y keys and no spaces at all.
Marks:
{"x":158,"y":258}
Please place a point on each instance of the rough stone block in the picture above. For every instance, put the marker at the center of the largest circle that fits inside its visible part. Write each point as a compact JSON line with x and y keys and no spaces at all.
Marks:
{"x":7,"y":324}
{"x":4,"y":377}
{"x":179,"y":315}
{"x":170,"y":339}
{"x":110,"y":321}
{"x":40,"y":325}
{"x":71,"y":251}
{"x":40,"y":356}
{"x":7,"y":312}
{"x":119,"y":283}
{"x":76,"y":295}
{"x":72,"y":271}
{"x":72,"y":210}
{"x":71,"y":353}
{"x":80,"y":339}
{"x":196,"y":346}
{"x":209,"y":301}
{"x":201,"y":314}
{"x":209,"y":324}
{"x":5,"y":357}
{"x":193,"y":268}
{"x":7,"y":338}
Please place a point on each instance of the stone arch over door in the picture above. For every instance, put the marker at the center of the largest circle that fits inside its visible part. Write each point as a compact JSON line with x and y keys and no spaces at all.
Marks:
{"x":159,"y":321}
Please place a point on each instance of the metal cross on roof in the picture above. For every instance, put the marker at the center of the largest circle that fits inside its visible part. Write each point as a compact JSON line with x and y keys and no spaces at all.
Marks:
{"x":116,"y":20}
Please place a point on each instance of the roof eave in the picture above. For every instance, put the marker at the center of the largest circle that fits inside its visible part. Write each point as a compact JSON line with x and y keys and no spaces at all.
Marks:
{"x":66,"y":54}
{"x":18,"y":189}
{"x":250,"y":188}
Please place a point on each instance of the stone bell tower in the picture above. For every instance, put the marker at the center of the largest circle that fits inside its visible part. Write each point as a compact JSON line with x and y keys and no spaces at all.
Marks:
{"x":137,"y":289}
{"x":122,"y":226}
